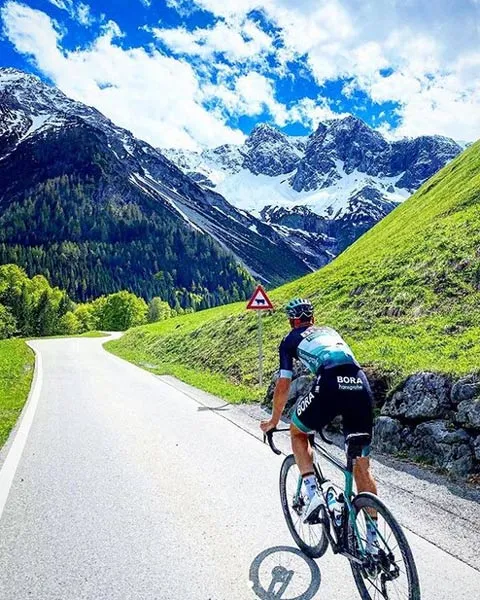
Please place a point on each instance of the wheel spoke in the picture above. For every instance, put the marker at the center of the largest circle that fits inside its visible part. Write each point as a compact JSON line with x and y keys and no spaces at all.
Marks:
{"x":311,"y":537}
{"x":384,"y":585}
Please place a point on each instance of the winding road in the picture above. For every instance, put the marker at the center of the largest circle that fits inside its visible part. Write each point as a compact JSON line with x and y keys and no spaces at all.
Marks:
{"x":121,"y":485}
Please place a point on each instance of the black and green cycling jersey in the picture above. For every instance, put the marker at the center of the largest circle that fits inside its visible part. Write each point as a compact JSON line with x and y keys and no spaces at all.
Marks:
{"x":315,"y":347}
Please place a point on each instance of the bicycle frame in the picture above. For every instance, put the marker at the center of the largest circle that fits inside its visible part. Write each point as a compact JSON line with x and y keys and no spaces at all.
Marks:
{"x":338,"y":546}
{"x":347,"y":470}
{"x":382,"y":564}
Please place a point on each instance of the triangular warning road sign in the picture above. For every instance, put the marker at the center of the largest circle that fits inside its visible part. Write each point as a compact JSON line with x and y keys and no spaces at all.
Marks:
{"x":259,"y":300}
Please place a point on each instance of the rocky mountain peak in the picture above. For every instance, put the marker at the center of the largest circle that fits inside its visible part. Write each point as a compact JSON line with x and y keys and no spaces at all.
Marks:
{"x":263,"y":132}
{"x":270,"y":152}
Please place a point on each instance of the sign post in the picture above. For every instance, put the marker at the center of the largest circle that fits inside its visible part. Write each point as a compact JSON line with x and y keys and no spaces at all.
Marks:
{"x":260,"y":301}
{"x":260,"y":348}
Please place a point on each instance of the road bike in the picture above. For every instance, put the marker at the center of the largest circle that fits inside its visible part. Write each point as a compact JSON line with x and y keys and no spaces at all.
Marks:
{"x":389,"y":573}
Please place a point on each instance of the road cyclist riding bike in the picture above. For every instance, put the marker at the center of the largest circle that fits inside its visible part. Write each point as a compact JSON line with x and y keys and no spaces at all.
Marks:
{"x":340,"y":387}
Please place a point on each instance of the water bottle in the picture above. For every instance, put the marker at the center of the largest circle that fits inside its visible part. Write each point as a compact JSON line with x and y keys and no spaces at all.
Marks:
{"x":334,"y":503}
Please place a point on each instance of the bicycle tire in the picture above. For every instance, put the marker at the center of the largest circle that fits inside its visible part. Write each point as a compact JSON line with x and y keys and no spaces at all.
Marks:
{"x":313,"y":551}
{"x":367,"y":500}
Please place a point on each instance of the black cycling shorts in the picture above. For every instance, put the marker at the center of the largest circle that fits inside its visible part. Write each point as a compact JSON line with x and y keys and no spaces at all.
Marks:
{"x":337,"y":391}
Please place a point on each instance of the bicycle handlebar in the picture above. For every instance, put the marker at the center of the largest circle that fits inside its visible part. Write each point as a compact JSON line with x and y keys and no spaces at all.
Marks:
{"x":269,"y":437}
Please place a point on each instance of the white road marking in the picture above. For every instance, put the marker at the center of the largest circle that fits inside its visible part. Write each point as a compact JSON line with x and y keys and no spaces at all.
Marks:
{"x":9,"y":467}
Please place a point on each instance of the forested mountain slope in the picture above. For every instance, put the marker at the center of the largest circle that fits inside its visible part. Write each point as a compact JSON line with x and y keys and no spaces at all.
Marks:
{"x":96,"y":210}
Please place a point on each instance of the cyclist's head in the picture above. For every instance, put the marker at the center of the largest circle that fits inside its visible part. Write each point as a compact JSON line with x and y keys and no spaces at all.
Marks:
{"x":300,"y":312}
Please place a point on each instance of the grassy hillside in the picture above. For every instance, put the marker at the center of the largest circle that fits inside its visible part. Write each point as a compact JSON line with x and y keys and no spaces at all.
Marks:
{"x":16,"y":372}
{"x":406,"y":296}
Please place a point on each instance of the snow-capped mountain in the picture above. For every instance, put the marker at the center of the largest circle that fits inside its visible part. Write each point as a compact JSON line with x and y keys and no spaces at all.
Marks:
{"x":125,"y":184}
{"x":345,"y":172}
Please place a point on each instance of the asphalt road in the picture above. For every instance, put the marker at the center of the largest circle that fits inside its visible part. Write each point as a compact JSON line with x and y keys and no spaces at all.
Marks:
{"x":130,"y":487}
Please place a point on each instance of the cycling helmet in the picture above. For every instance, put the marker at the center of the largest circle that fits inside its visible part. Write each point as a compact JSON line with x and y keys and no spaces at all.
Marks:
{"x":299,"y":308}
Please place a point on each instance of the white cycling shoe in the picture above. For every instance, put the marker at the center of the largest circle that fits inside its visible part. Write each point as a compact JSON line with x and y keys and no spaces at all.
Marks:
{"x":311,"y":513}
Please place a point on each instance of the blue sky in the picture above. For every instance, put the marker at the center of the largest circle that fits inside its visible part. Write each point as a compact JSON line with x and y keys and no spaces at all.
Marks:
{"x":195,"y":73}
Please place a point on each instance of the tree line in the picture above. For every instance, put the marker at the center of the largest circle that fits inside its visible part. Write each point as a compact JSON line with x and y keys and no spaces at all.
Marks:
{"x":90,"y":239}
{"x":32,"y":307}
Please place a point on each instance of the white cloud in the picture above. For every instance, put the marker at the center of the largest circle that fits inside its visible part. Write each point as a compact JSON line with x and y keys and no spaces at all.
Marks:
{"x":310,"y":112}
{"x":251,"y":95}
{"x":62,"y":4}
{"x":78,"y":11}
{"x":426,"y":45}
{"x":429,"y":54}
{"x":84,"y":15}
{"x":158,"y":98}
{"x":238,"y":40}
{"x":222,"y":8}
{"x":183,"y":7}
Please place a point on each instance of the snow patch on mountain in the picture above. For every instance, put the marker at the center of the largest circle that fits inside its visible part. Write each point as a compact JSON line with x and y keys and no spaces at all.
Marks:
{"x":322,"y":171}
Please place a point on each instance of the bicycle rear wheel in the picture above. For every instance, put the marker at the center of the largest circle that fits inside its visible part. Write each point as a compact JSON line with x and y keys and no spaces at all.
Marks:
{"x":311,"y":539}
{"x":392,"y":574}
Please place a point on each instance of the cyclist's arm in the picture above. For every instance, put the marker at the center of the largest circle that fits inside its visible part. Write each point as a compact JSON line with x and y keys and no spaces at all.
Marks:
{"x":282,"y":388}
{"x":280,"y":397}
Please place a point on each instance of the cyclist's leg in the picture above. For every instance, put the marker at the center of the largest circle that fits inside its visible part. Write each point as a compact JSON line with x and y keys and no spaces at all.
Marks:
{"x":302,"y":450}
{"x":357,"y":412}
{"x":310,"y":414}
{"x":363,"y":475}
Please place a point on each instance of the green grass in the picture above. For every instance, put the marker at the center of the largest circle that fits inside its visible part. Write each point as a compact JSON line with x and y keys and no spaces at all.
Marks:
{"x":16,"y":372}
{"x":406,"y":296}
{"x":93,"y":334}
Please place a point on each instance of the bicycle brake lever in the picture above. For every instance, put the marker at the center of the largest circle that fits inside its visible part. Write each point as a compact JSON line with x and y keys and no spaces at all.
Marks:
{"x":269,"y":436}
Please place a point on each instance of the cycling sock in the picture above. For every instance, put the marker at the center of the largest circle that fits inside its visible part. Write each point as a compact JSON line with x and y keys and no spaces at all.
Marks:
{"x":372,"y":535}
{"x":310,"y":483}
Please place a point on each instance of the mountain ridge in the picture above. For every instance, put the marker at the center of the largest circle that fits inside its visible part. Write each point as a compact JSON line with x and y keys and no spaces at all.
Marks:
{"x":405,"y":296}
{"x":133,"y":179}
{"x":345,"y":171}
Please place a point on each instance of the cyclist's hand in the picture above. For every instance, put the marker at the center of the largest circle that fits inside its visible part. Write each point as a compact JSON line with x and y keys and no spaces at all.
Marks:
{"x":267,"y":425}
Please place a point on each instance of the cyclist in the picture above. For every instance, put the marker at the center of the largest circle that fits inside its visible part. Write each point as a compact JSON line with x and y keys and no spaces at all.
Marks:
{"x":340,"y":388}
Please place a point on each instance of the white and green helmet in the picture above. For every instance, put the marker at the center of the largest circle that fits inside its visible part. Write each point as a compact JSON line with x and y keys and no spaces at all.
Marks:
{"x":299,"y":308}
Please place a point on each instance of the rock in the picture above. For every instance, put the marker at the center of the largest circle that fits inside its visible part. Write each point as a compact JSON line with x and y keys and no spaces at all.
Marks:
{"x":380,"y":383}
{"x":465,"y":389}
{"x":267,"y":401}
{"x":387,"y":435}
{"x":441,"y":432}
{"x":476,"y":448}
{"x":436,"y":444}
{"x":468,"y":414}
{"x":270,"y":152}
{"x":462,"y":467}
{"x":301,"y":382}
{"x":424,"y":396}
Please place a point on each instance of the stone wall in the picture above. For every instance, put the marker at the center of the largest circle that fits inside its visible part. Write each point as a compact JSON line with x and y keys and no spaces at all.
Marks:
{"x":434,"y":420}
{"x":430,"y":418}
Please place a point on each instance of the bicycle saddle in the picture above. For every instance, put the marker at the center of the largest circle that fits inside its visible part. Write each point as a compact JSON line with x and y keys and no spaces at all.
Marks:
{"x":356,"y":442}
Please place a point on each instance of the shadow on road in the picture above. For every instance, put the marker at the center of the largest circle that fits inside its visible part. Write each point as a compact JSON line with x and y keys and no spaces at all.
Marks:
{"x":284,"y":573}
{"x":215,"y":408}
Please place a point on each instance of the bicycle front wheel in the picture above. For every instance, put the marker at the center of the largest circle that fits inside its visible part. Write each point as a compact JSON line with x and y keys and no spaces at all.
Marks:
{"x":390,"y":573}
{"x":311,"y":539}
